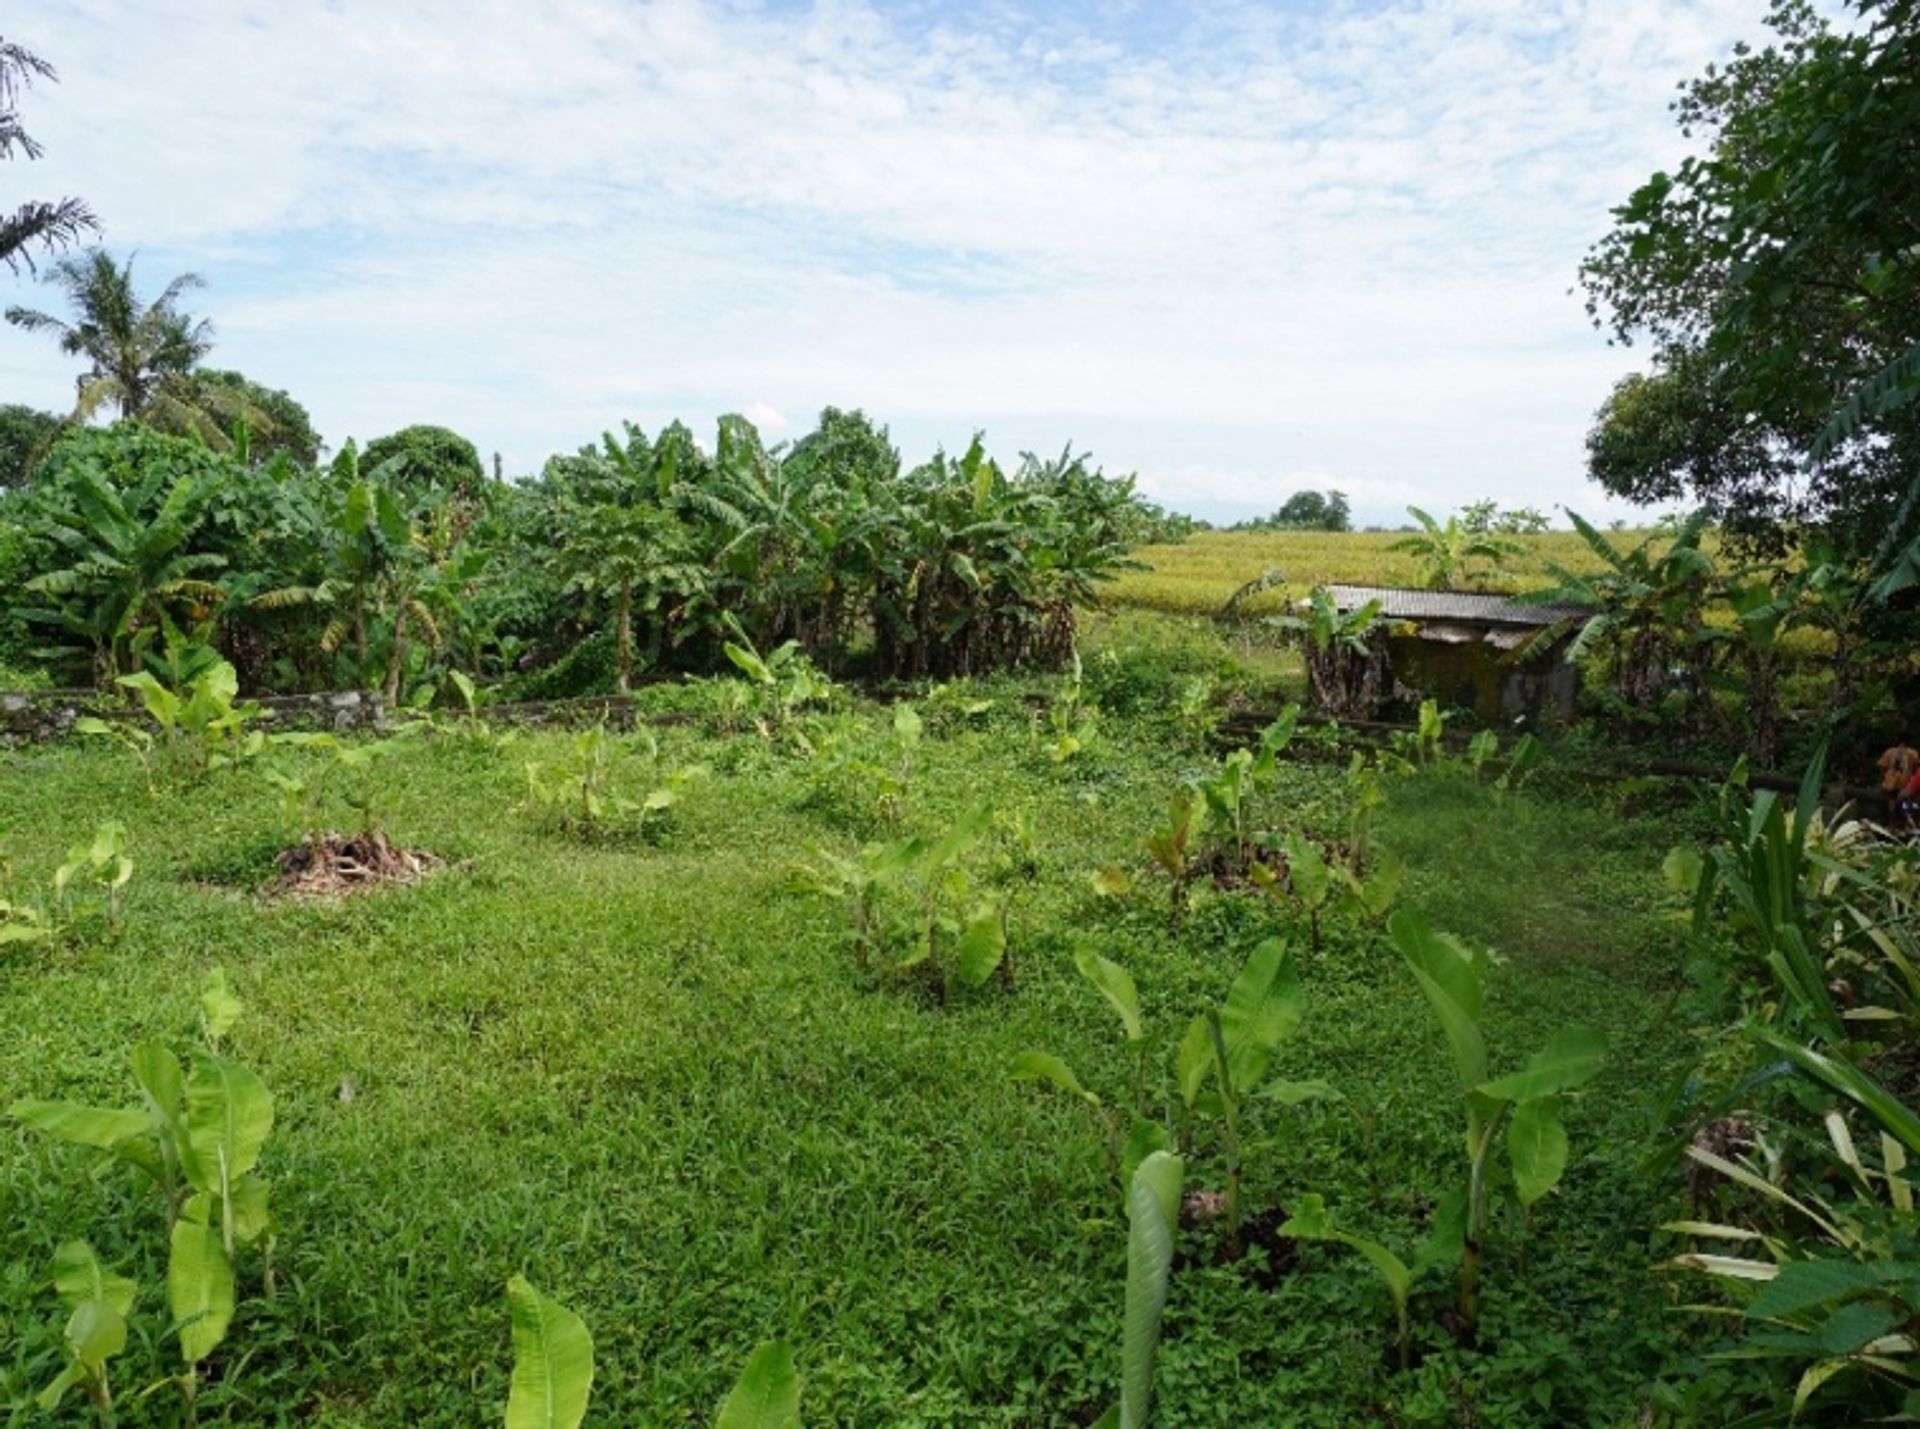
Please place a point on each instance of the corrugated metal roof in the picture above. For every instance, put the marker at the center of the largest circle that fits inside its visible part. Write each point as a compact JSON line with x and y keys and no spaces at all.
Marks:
{"x":1397,"y":603}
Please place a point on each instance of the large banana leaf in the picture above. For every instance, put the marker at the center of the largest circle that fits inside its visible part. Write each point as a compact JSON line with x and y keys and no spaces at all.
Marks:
{"x":199,"y":1284}
{"x":1153,"y":1215}
{"x":767,"y":1394}
{"x":1262,"y":1011}
{"x":1453,"y":979}
{"x":552,"y":1362}
{"x":229,"y":1115}
{"x":102,"y":1127}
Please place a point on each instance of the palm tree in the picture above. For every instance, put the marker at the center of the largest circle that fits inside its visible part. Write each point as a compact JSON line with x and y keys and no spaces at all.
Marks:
{"x":50,"y":224}
{"x":141,"y":356}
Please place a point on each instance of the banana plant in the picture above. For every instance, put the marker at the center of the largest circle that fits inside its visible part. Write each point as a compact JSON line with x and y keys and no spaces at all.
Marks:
{"x":103,"y":863}
{"x":1072,"y":719}
{"x":857,"y":882}
{"x":942,"y":886}
{"x":22,"y":923}
{"x":1228,"y":796}
{"x":1153,"y":1224}
{"x":580,"y":797}
{"x":1526,"y":1104}
{"x":1170,"y":847}
{"x":785,"y":674}
{"x":1133,"y":1133}
{"x":197,"y":1134}
{"x":98,"y":1302}
{"x":1441,"y":1246}
{"x":1228,"y":1050}
{"x":201,"y":725}
{"x":553,"y":1372}
{"x":1305,"y":877}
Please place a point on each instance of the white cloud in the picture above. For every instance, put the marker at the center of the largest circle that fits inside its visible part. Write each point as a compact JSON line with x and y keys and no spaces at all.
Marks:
{"x":1220,"y":247}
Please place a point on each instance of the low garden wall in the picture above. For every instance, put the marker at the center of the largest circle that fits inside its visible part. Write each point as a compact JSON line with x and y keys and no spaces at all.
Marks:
{"x":29,"y":715}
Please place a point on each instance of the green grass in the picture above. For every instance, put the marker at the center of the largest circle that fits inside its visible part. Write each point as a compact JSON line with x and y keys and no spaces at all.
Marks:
{"x":651,"y":1078}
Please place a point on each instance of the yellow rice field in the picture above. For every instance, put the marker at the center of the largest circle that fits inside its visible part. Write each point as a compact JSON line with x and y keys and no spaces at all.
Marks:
{"x":1196,"y":576}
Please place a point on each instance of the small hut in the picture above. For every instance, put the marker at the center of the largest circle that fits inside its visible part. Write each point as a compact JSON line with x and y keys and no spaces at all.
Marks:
{"x":1461,"y":648}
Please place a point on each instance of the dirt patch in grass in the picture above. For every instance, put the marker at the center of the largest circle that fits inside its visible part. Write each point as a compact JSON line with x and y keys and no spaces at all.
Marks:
{"x":336,"y":864}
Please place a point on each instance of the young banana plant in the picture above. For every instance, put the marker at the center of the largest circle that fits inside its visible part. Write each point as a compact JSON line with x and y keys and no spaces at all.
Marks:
{"x":102,"y":863}
{"x":553,"y":1372}
{"x":198,"y":1135}
{"x":98,"y":1302}
{"x":1170,"y":847}
{"x":1132,"y":1134}
{"x":1526,"y":1104}
{"x":1441,"y":1246}
{"x":1228,"y":1051}
{"x":938,"y":882}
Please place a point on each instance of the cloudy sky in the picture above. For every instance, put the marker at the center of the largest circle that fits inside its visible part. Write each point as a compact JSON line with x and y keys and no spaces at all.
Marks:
{"x":1237,"y":248}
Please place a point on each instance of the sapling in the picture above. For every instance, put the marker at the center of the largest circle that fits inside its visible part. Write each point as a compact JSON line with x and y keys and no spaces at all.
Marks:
{"x":941,"y":884}
{"x":197,"y":1135}
{"x":101,"y":862}
{"x":857,"y":882}
{"x":553,"y":1372}
{"x":1225,"y":1057}
{"x":201,"y":725}
{"x":1526,"y":1104}
{"x":98,"y":1302}
{"x":1132,"y":1132}
{"x":19,"y":922}
{"x":1169,"y":847}
{"x":1071,"y":719}
{"x":1229,"y":1049}
{"x":1482,"y":747}
{"x":1440,"y":1246}
{"x":785,"y":675}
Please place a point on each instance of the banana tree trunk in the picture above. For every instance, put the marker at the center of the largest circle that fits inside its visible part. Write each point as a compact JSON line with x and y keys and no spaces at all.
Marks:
{"x":623,"y":638}
{"x":396,"y":659}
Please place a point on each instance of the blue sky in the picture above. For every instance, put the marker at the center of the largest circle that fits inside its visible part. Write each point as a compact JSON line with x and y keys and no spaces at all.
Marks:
{"x":1236,"y":248}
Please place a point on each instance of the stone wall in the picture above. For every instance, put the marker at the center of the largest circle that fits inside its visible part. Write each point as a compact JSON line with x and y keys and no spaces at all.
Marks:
{"x":30,"y":715}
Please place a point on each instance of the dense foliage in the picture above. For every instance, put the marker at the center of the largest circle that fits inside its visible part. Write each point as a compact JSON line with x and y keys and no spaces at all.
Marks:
{"x":25,"y":435}
{"x":1775,"y":276}
{"x":638,"y":554}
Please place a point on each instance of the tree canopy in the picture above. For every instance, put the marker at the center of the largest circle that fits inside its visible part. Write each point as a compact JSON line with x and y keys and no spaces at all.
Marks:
{"x":1306,"y":511}
{"x":25,"y":435}
{"x":434,"y":457}
{"x":1776,"y":276}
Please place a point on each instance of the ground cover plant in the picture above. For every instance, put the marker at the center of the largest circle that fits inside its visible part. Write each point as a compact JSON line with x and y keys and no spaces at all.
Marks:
{"x":648,"y":1075}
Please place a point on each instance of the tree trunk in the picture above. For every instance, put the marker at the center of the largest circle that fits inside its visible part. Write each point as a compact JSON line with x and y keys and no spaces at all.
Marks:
{"x":623,"y":638}
{"x":396,"y":659}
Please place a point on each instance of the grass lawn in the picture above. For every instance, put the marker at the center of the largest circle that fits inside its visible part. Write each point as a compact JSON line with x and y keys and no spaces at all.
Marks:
{"x":651,"y":1077}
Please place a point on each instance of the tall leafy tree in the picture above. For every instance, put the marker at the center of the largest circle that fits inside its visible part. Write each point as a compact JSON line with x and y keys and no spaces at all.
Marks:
{"x":47,"y":224}
{"x":141,"y":357}
{"x":1776,"y":276}
{"x":275,"y":422}
{"x":432,"y":459}
{"x":25,"y":435}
